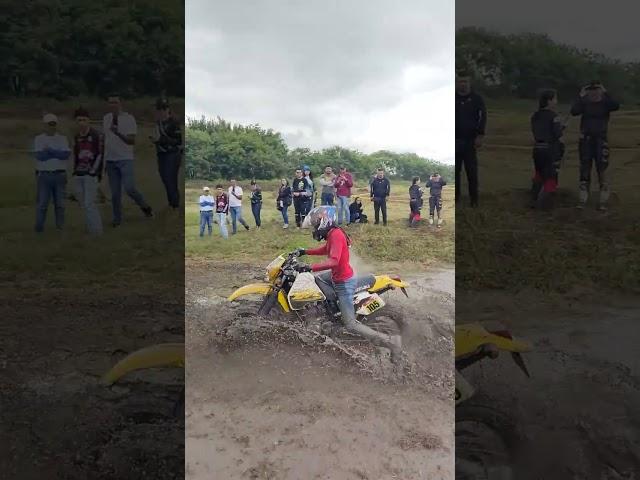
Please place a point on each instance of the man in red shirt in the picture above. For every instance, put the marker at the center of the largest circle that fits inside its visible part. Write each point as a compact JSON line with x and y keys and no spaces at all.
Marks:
{"x":343,"y":183}
{"x":323,"y":221}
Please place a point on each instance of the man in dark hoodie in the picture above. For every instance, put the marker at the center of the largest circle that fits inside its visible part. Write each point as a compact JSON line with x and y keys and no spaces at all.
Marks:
{"x":594,"y":106}
{"x":471,"y":120}
{"x":380,"y":190}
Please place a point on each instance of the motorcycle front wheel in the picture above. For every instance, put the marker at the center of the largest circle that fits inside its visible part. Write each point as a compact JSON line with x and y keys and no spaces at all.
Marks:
{"x":268,"y":303}
{"x":485,"y":440}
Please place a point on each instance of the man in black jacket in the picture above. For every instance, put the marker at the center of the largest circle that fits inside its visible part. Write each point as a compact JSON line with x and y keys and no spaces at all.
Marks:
{"x":168,"y":141}
{"x":594,"y":105}
{"x":380,"y":190}
{"x":471,"y":119}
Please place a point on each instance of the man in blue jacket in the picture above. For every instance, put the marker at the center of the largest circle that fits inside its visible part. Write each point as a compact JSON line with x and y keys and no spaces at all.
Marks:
{"x":380,"y":190}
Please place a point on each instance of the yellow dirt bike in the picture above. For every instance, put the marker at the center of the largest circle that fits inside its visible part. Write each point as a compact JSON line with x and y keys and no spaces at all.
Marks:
{"x":486,"y":438}
{"x":155,"y":356}
{"x":312,"y":296}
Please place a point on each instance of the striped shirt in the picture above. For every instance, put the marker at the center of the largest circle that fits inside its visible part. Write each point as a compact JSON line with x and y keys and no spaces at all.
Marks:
{"x":206,"y":203}
{"x":51,"y":152}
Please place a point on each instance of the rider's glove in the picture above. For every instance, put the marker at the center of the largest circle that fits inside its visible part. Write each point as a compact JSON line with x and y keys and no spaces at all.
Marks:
{"x":300,"y":252}
{"x":304,"y":268}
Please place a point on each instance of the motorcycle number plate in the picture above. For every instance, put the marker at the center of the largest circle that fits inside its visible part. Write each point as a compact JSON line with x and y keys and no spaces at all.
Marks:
{"x":372,"y":304}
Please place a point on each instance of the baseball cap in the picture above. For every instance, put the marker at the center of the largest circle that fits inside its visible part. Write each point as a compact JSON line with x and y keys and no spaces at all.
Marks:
{"x":50,"y":118}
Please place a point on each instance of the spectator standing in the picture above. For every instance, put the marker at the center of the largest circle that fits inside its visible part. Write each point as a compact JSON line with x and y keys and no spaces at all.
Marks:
{"x":471,"y":120}
{"x":256,"y":202}
{"x":206,"y":211}
{"x":283,"y":202}
{"x":88,"y":148}
{"x":415,"y":202}
{"x":167,"y":139}
{"x":299,"y":191}
{"x":328,"y":184}
{"x":51,"y":154}
{"x":344,"y":183}
{"x":120,"y":131}
{"x":435,"y":184}
{"x":235,"y":207}
{"x":380,"y":190}
{"x":311,"y":196}
{"x":222,"y":207}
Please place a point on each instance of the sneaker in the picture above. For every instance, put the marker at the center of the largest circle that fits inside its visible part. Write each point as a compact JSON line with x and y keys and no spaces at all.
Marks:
{"x":430,"y":220}
{"x":285,"y":226}
{"x":148,"y":212}
{"x":246,"y":227}
{"x":602,"y":207}
{"x":439,"y":222}
{"x":115,"y":224}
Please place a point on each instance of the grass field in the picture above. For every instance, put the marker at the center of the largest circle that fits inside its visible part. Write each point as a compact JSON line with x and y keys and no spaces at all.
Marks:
{"x":140,"y":249}
{"x":73,"y":305}
{"x":556,"y":251}
{"x":397,"y":245}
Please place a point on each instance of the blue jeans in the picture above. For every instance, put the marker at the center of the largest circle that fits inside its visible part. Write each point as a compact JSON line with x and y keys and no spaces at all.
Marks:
{"x":343,"y":205}
{"x":255,"y":209}
{"x":285,"y":214}
{"x":345,"y":292}
{"x":222,"y":221}
{"x":326,"y":199}
{"x":236,"y":216}
{"x":50,"y":185}
{"x":169,"y":167}
{"x":121,"y":175}
{"x":206,"y":220}
{"x":86,"y":190}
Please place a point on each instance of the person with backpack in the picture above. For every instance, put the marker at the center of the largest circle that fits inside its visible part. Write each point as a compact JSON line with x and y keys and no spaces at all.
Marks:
{"x":547,"y":129}
{"x":415,"y":202}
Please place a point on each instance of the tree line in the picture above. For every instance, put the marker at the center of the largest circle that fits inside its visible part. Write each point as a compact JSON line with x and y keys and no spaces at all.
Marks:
{"x":519,"y":65}
{"x":215,"y":148}
{"x":69,"y":48}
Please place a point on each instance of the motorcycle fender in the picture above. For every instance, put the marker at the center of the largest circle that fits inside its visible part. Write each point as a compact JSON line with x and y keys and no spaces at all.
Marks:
{"x":251,"y":289}
{"x":162,"y":355}
{"x":383,"y":281}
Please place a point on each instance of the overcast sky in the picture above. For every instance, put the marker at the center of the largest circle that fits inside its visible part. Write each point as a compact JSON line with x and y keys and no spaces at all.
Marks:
{"x":607,"y":27}
{"x":365,"y":74}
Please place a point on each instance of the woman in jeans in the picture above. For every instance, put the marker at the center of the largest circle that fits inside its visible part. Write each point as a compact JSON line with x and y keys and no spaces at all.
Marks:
{"x":283,"y":202}
{"x":256,"y":202}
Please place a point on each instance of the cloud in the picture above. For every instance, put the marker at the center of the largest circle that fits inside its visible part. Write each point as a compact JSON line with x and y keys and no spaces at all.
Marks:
{"x":604,"y":27}
{"x":362,"y":74}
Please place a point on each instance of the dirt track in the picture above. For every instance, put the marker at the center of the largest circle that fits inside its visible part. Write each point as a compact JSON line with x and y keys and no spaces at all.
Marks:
{"x":57,"y":421}
{"x":580,"y":411}
{"x":275,"y":409}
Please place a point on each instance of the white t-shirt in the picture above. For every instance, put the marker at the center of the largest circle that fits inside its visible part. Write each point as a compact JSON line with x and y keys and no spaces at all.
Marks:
{"x":233,"y":201}
{"x":114,"y":147}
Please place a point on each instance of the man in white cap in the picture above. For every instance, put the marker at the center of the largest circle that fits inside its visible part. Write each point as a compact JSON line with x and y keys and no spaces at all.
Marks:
{"x":207,"y":203}
{"x":52,"y":152}
{"x":120,"y":131}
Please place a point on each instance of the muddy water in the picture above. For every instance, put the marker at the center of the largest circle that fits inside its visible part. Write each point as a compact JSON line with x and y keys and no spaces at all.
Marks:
{"x":276,"y":409}
{"x":580,"y":410}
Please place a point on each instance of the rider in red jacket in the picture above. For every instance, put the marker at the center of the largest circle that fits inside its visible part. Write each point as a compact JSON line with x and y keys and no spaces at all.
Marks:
{"x":323,"y":221}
